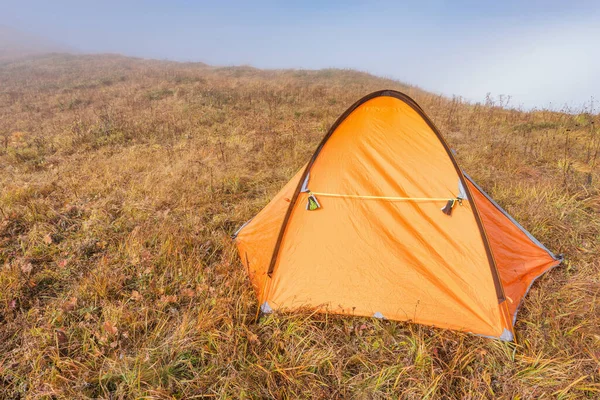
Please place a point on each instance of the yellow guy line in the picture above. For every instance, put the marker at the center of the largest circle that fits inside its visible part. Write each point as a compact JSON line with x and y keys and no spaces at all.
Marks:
{"x":357,"y":196}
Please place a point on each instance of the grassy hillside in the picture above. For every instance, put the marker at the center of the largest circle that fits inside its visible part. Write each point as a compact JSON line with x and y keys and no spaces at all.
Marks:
{"x":122,"y":179}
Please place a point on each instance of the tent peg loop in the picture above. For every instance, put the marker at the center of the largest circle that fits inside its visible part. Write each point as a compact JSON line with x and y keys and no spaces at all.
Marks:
{"x":312,"y":202}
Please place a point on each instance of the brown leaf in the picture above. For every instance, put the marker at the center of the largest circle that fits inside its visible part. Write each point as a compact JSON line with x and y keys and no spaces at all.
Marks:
{"x":188,"y":292}
{"x":70,"y":304}
{"x":62,"y":341}
{"x":166,"y":299}
{"x":61,"y":336}
{"x":146,"y":255}
{"x":252,"y":337}
{"x":110,"y":328}
{"x":26,"y":267}
{"x":348,"y":329}
{"x":48,"y":239}
{"x":135,"y":295}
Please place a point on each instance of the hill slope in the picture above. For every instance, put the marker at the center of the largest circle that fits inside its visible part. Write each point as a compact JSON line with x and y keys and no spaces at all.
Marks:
{"x":122,"y":179}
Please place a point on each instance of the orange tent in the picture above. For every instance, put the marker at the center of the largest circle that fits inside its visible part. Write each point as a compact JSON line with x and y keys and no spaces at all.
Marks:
{"x":382,"y":222}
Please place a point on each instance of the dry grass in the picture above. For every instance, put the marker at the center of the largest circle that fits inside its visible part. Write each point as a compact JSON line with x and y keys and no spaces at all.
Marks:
{"x":121,"y":180}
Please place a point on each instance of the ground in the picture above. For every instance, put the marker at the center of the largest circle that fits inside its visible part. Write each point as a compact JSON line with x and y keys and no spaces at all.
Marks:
{"x":122,"y":179}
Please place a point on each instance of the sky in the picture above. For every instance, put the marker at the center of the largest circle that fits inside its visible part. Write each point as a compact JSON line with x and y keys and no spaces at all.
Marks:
{"x":544,"y":54}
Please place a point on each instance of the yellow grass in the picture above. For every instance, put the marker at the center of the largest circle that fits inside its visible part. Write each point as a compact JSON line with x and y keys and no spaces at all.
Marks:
{"x":122,"y":179}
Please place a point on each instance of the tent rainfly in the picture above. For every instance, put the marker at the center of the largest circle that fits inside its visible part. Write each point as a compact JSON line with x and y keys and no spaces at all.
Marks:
{"x":382,"y":222}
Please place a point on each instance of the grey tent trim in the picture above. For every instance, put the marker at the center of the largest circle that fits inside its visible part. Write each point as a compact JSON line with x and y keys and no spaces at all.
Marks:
{"x":265,"y":308}
{"x":240,"y":228}
{"x":506,"y":336}
{"x":305,"y":183}
{"x":462,"y":193}
{"x":507,"y":215}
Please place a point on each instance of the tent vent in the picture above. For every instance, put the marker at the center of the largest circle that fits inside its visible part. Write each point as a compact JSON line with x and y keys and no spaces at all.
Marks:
{"x":378,"y":315}
{"x":266,"y":308}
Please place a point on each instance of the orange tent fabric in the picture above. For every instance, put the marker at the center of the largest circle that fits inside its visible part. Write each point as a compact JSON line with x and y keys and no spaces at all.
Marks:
{"x":520,"y":257}
{"x":360,"y":230}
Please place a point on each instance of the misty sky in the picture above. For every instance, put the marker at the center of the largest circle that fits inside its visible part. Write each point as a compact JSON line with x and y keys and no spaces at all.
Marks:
{"x":542,"y":53}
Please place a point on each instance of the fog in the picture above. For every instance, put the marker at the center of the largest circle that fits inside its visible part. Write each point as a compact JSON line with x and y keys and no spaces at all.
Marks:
{"x":541,"y":54}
